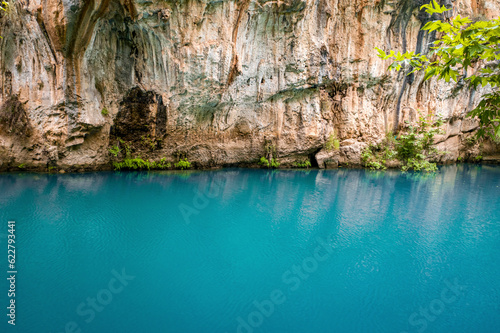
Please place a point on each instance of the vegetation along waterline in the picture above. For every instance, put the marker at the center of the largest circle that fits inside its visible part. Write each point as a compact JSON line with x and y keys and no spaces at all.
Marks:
{"x":72,"y":101}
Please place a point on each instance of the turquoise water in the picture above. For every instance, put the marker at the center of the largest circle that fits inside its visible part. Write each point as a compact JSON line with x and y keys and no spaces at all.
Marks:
{"x":255,"y":251}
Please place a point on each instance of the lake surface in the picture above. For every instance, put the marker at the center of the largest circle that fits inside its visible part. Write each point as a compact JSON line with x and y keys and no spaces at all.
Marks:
{"x":254,"y":251}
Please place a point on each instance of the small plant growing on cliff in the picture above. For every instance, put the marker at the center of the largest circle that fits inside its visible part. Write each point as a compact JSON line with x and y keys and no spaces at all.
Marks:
{"x":183,"y":164}
{"x":21,"y":166}
{"x":140,"y":164}
{"x":371,"y":160}
{"x":104,"y":112}
{"x":132,"y":164}
{"x":162,"y":164}
{"x":332,"y":142}
{"x":149,"y":142}
{"x":269,"y":163}
{"x":127,"y":148}
{"x":274,"y":164}
{"x":302,"y":164}
{"x":115,"y":150}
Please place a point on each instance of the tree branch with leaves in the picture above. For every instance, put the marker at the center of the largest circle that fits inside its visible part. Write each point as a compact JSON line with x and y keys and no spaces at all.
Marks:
{"x":464,"y":46}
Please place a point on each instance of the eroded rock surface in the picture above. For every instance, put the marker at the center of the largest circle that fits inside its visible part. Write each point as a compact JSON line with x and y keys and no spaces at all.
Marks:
{"x":215,"y":81}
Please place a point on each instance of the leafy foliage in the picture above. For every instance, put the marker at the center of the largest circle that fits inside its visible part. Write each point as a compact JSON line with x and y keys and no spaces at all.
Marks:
{"x":465,"y":45}
{"x":115,"y":150}
{"x":140,"y":164}
{"x":183,"y":164}
{"x":127,"y":148}
{"x":132,"y":164}
{"x":149,"y":142}
{"x":332,"y":143}
{"x":412,"y":148}
{"x":419,"y":165}
{"x":270,"y":164}
{"x":302,"y":164}
{"x":418,"y":140}
{"x":127,"y":162}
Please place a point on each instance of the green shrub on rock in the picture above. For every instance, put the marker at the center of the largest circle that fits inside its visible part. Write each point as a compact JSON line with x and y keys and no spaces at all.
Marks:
{"x":269,"y":164}
{"x":115,"y":150}
{"x":140,"y":164}
{"x":332,"y":142}
{"x":413,"y":148}
{"x":302,"y":164}
{"x":183,"y":164}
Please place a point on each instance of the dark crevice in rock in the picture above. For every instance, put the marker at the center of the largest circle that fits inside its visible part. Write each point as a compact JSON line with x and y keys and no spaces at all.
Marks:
{"x":161,"y":118}
{"x":142,"y":115}
{"x":41,"y":24}
{"x":312,"y":158}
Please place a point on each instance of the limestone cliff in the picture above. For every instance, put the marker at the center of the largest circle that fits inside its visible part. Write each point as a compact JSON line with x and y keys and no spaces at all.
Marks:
{"x":216,"y":81}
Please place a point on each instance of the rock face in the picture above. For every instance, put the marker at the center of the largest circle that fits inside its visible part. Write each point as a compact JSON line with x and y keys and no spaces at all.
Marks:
{"x":218,"y":82}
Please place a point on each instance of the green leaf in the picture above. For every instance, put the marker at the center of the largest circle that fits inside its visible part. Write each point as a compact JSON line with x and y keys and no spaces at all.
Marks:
{"x":429,"y":73}
{"x":381,"y":53}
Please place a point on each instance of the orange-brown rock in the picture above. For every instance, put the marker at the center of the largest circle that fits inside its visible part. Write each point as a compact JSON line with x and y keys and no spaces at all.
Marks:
{"x":215,"y":80}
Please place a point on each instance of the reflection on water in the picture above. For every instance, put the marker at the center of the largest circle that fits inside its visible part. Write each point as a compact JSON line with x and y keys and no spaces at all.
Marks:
{"x":360,"y":195}
{"x":205,"y":245}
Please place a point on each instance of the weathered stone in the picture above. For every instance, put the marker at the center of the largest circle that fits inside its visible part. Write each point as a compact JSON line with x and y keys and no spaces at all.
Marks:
{"x":454,"y":127}
{"x":468,"y":125}
{"x":331,"y":164}
{"x":493,"y":159}
{"x":449,"y":149}
{"x":212,"y":80}
{"x":393,"y":164}
{"x":351,"y":154}
{"x":325,"y":155}
{"x":75,"y":141}
{"x":52,"y":153}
